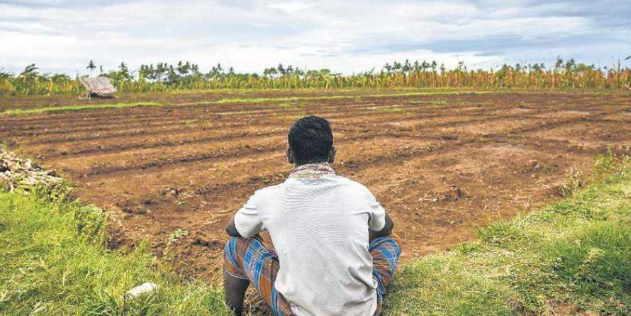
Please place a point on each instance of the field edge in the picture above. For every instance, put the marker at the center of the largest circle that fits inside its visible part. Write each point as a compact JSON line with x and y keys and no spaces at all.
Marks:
{"x":569,"y":257}
{"x":54,"y":261}
{"x":572,"y":257}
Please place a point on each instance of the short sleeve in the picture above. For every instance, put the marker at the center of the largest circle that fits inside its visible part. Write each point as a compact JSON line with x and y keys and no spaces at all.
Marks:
{"x":377,"y":214}
{"x":249,"y":219}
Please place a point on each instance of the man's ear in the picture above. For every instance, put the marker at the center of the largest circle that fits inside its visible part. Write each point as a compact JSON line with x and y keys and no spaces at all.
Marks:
{"x":332,"y":154}
{"x":290,"y":155}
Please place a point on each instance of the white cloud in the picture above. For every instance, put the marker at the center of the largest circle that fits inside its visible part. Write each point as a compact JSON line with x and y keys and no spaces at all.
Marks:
{"x":290,"y":7}
{"x":347,"y":36}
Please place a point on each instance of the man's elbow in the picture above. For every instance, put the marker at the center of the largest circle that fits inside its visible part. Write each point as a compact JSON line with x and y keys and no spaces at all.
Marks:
{"x":387,"y":231}
{"x":384,"y":232}
{"x":232,"y":233}
{"x":231,"y":230}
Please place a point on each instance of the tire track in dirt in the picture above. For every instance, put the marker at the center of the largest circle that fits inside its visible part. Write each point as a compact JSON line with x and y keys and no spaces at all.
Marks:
{"x":178,"y":122}
{"x":46,"y":139}
{"x":548,"y":146}
{"x":562,"y":122}
{"x":364,"y":116}
{"x":241,"y":151}
{"x":554,"y":146}
{"x":112,"y":124}
{"x":158,"y":113}
{"x":240,"y":171}
{"x":363,"y":171}
{"x":117,"y":148}
{"x":266,"y":108}
{"x":100,"y":150}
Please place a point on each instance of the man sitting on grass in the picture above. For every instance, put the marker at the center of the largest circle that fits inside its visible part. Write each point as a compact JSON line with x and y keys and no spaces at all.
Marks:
{"x":335,"y":253}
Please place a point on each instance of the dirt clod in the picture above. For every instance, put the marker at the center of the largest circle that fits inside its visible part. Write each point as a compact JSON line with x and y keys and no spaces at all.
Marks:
{"x":205,"y":240}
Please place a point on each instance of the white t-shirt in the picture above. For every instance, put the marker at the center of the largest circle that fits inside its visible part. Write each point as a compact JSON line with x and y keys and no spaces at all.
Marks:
{"x":319,"y":224}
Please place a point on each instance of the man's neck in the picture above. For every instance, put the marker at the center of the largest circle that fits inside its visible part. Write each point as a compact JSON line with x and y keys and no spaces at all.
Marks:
{"x":311,"y":170}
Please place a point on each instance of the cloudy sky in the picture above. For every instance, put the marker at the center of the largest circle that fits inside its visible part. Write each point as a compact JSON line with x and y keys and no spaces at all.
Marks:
{"x":346,"y":36}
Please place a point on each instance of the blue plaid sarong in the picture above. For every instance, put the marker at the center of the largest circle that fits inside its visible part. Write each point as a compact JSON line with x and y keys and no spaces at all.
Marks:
{"x":249,"y":259}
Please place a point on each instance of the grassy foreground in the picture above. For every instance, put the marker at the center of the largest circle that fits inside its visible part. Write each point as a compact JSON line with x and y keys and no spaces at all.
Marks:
{"x":567,"y":258}
{"x":52,"y":262}
{"x":571,"y":257}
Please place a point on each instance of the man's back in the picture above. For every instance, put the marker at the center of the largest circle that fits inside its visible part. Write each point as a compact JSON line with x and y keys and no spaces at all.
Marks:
{"x":335,"y":250}
{"x":319,"y":224}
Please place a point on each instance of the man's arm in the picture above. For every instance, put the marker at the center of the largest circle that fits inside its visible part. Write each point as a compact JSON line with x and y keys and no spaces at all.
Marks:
{"x":231,"y":229}
{"x":385,"y":231}
{"x":249,"y":218}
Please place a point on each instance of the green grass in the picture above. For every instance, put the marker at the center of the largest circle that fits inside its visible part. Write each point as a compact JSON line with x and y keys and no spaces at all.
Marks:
{"x":392,"y":109}
{"x":52,"y":262}
{"x":336,"y":97}
{"x":285,"y":100}
{"x":288,"y":105}
{"x":87,"y":107}
{"x":439,"y":103}
{"x":572,"y":256}
{"x":290,"y":99}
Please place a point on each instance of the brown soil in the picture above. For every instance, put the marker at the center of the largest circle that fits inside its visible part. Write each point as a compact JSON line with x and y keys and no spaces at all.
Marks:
{"x":440,"y":164}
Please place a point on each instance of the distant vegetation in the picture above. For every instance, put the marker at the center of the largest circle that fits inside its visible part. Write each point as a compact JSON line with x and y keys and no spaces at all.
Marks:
{"x":165,"y":77}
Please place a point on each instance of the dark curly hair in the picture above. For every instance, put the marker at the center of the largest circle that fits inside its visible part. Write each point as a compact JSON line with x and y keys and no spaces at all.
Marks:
{"x":311,"y":139}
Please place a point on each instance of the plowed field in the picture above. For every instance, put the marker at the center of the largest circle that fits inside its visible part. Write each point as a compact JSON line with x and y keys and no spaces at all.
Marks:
{"x":440,"y":163}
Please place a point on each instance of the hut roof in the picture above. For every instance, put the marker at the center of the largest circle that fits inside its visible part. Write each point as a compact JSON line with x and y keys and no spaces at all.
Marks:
{"x":98,"y":85}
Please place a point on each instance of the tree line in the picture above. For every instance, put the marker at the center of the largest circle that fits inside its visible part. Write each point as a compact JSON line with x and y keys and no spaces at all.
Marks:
{"x":184,"y":75}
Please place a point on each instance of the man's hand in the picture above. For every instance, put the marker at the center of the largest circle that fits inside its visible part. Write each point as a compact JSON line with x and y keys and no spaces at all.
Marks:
{"x":386,"y":231}
{"x":231,"y":229}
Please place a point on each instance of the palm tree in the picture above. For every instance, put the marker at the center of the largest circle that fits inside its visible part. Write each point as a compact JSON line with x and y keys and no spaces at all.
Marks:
{"x":91,"y":66}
